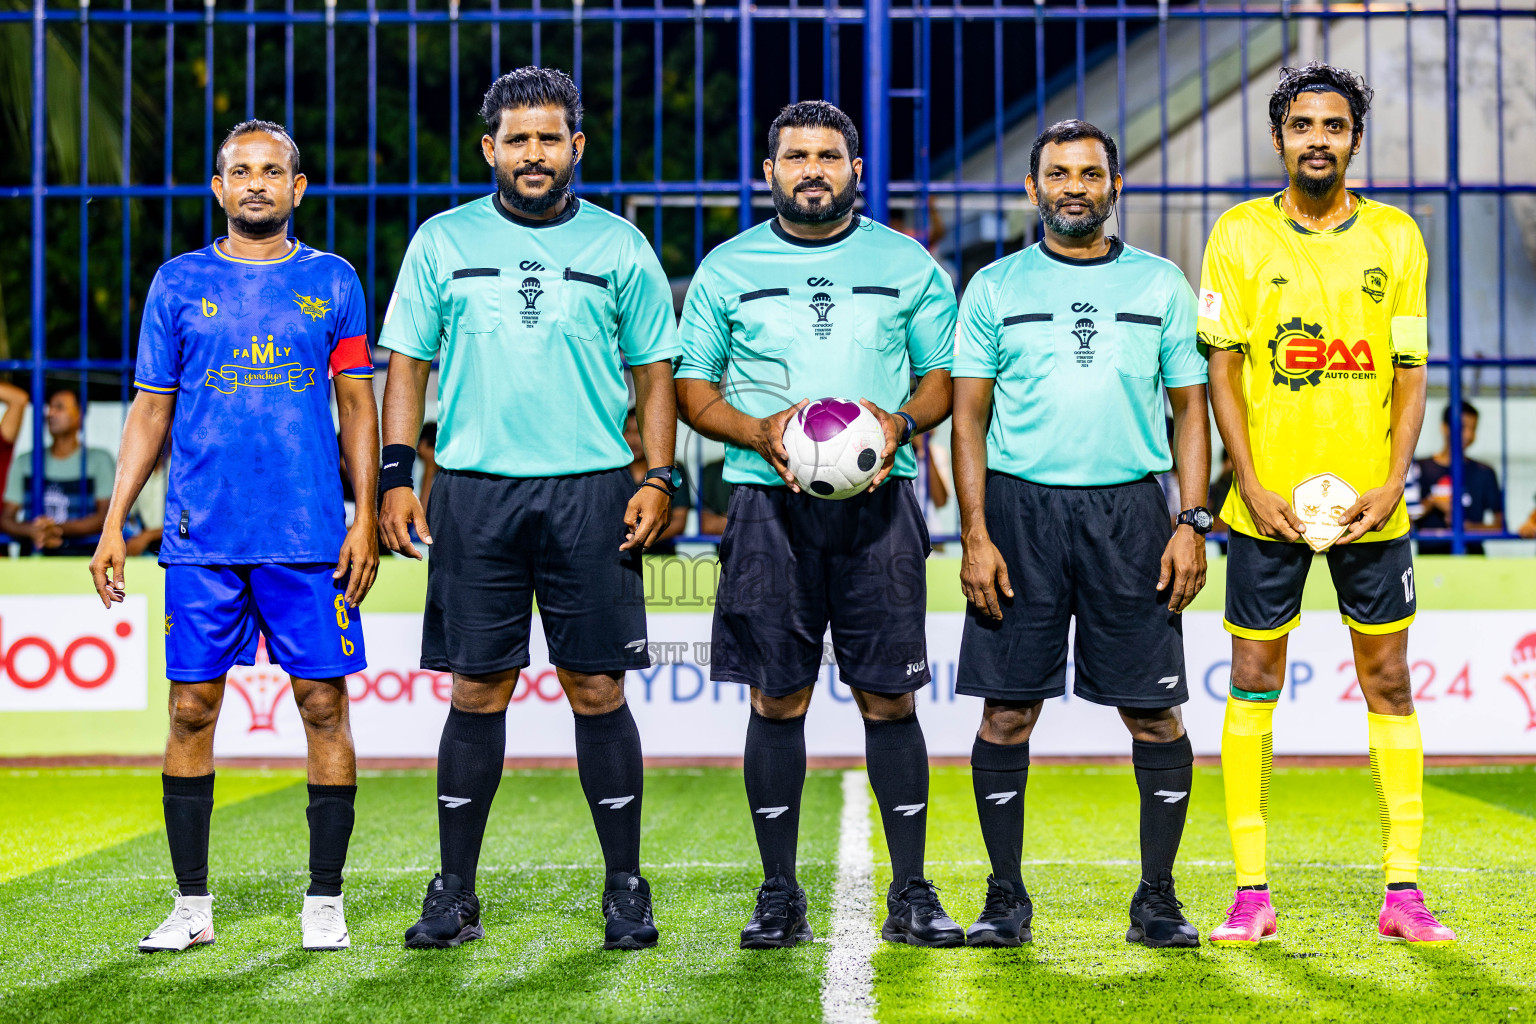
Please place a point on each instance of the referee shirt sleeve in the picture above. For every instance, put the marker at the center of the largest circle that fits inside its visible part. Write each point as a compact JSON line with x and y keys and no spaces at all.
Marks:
{"x":976,"y":337}
{"x":413,"y":322}
{"x":647,"y":331}
{"x":1222,"y":306}
{"x":931,"y":330}
{"x":705,"y":333}
{"x":1180,"y":360}
{"x":158,"y":368}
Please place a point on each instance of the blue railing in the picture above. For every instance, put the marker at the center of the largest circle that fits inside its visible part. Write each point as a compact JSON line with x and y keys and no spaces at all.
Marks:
{"x":381,"y":98}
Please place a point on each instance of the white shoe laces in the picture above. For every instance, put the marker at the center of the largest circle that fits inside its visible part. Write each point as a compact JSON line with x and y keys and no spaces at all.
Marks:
{"x":325,"y":916}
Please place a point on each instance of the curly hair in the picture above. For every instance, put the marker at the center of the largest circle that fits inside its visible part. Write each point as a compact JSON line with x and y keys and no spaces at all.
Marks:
{"x":1319,"y":77}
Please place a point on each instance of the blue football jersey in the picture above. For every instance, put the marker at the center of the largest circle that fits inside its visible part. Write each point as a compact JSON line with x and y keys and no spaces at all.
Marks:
{"x":248,"y":348}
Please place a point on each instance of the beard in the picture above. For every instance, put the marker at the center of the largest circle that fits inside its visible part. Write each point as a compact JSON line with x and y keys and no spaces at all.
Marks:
{"x":559,"y":188}
{"x":1078,"y":225}
{"x":260,"y":221}
{"x":837,"y":206}
{"x":1316,"y":186}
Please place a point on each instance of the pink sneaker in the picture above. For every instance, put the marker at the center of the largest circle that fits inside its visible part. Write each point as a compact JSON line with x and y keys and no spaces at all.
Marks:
{"x":1405,"y":918}
{"x":1250,"y":920}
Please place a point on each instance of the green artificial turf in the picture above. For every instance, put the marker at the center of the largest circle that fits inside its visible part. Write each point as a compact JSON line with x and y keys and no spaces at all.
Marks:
{"x":1081,"y":867}
{"x":84,"y":874}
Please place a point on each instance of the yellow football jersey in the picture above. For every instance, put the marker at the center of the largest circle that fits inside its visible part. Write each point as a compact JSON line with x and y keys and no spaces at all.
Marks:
{"x":1322,"y":318}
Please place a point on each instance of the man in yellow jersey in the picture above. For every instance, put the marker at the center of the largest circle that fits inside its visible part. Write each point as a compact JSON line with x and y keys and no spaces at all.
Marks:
{"x":1311,"y":310}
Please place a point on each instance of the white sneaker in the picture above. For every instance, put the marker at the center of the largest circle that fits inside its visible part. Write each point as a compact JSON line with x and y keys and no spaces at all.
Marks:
{"x":190,"y":924}
{"x":324,"y":925}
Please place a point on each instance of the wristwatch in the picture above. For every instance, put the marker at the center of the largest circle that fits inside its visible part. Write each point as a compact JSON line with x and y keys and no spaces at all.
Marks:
{"x":669,"y":476}
{"x":906,"y":435}
{"x":1198,"y":518}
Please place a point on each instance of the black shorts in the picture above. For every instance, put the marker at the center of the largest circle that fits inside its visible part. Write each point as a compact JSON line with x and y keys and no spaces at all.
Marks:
{"x":791,"y":564}
{"x":499,"y":542}
{"x":1265,"y":578}
{"x":1093,"y":553}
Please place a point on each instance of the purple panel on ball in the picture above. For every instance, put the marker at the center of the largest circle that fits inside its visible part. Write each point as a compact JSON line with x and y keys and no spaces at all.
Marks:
{"x":825,"y":418}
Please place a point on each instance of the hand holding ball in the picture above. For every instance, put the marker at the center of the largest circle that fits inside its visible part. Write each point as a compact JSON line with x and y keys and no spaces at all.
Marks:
{"x":833,"y":447}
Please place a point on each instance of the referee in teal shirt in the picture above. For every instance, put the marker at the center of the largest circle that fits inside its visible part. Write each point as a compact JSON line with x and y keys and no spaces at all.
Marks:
{"x":532,"y":301}
{"x":1062,"y":357}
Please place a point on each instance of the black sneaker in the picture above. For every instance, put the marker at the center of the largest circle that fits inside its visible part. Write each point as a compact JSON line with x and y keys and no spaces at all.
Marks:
{"x":916,"y":917}
{"x":1157,"y":918}
{"x":778,"y":920}
{"x":450,"y":915}
{"x":1005,"y":919}
{"x":627,"y":908}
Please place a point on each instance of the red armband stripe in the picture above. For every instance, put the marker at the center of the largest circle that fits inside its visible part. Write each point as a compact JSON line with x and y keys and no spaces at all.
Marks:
{"x":351,"y":354}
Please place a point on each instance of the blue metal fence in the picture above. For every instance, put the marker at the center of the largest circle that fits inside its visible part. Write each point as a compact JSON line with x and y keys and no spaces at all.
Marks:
{"x":947,"y":97}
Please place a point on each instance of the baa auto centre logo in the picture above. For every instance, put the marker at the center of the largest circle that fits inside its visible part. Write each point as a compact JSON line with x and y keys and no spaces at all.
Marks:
{"x":64,"y":653}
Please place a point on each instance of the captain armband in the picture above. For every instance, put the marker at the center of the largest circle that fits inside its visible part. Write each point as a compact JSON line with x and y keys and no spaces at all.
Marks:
{"x":1410,"y":341}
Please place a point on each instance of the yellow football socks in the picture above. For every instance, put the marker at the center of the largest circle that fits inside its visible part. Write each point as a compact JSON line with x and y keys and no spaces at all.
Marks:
{"x":1397,"y":769}
{"x":1247,"y":755}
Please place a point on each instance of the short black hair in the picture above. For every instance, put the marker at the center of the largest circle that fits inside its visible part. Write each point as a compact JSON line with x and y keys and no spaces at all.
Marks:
{"x":532,"y":87}
{"x":74,"y":389}
{"x":1467,"y":409}
{"x":813,"y":114}
{"x":1071,"y":130}
{"x":1319,"y":77}
{"x":246,"y":128}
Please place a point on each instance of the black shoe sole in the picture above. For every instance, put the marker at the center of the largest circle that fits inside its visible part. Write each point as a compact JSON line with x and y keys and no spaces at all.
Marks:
{"x":1136,"y":935}
{"x":802,"y":934}
{"x":468,"y":934}
{"x":992,"y":940}
{"x":630,"y":942}
{"x":898,"y":935}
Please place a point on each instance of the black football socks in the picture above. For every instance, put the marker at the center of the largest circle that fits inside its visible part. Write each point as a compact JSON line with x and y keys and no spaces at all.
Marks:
{"x":896,"y":757}
{"x":331,"y":816}
{"x":999,"y":773}
{"x":773,"y":767}
{"x":188,"y":808}
{"x":1164,"y":773}
{"x":612,"y":774}
{"x":469,"y":760}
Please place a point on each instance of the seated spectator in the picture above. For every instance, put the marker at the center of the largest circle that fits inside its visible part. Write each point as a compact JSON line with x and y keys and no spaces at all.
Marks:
{"x":1528,"y":528}
{"x":16,"y":401}
{"x":1481,"y":496}
{"x":146,"y":520}
{"x":74,"y":502}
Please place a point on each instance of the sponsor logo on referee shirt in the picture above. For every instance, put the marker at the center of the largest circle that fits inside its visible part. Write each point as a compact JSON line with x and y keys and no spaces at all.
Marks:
{"x":821,"y":305}
{"x":1084,"y":331}
{"x":531,"y":291}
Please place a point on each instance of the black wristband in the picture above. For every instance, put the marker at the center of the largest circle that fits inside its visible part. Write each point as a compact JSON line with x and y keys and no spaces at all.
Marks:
{"x":395,"y":467}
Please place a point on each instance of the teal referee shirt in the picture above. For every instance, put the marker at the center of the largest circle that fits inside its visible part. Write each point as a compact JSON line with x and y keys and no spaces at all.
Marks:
{"x":775,"y":319}
{"x":532,"y":322}
{"x":1080,"y":351}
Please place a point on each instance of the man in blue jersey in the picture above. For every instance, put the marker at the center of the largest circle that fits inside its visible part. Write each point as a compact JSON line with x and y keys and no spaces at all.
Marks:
{"x":240,"y":346}
{"x":532,"y":301}
{"x":821,"y":302}
{"x":1062,"y":357}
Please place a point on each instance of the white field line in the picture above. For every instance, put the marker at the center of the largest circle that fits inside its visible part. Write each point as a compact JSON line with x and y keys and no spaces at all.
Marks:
{"x":847,"y":988}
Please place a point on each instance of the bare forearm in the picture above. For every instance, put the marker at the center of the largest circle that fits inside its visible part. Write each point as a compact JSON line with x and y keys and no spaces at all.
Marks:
{"x":931,"y":401}
{"x":1192,"y":445}
{"x":1226,"y":395}
{"x":405,"y":399}
{"x":149,"y":420}
{"x":13,"y":527}
{"x":656,"y":407}
{"x":705,"y":409}
{"x":1409,"y":384}
{"x":360,"y":442}
{"x":85,"y":526}
{"x":973,"y":405}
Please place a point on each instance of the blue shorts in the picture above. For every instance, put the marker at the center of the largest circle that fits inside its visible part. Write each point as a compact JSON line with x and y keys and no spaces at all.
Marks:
{"x":213,"y":612}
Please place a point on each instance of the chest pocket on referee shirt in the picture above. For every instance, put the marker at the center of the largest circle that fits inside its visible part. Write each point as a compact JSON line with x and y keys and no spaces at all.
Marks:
{"x":1027,"y":344}
{"x":1138,"y":345}
{"x":474,"y":296}
{"x":587,"y":304}
{"x":768,"y":322}
{"x":880,"y":318}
